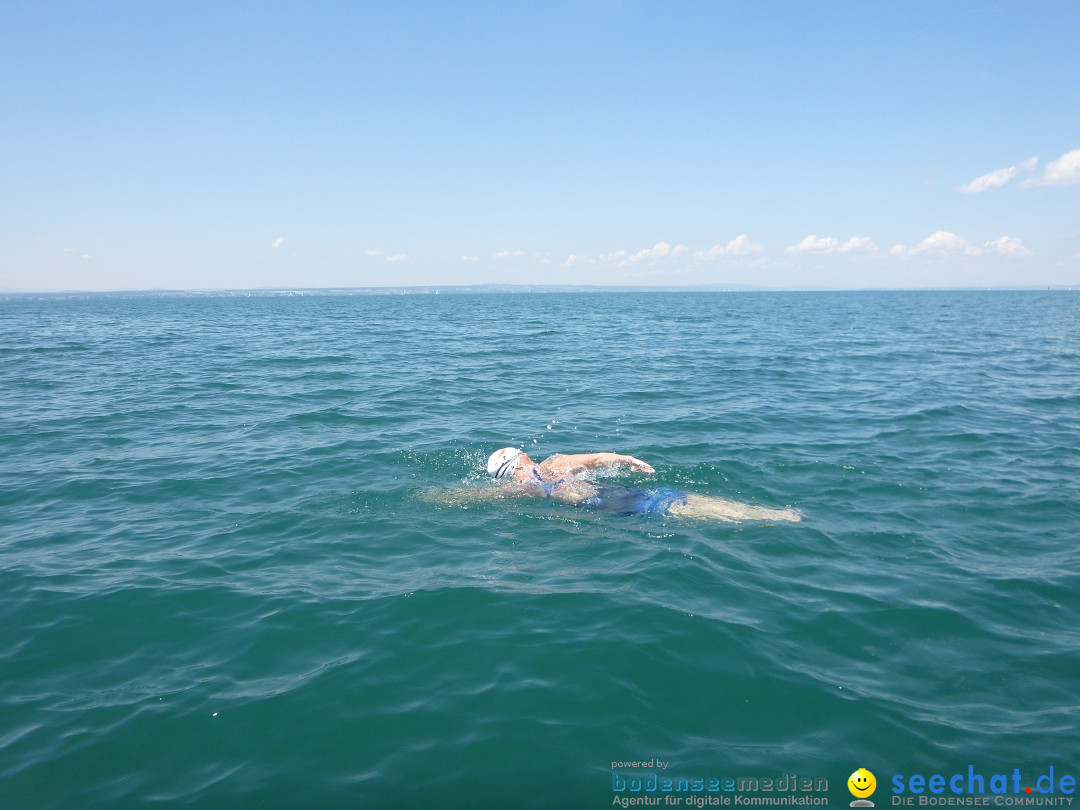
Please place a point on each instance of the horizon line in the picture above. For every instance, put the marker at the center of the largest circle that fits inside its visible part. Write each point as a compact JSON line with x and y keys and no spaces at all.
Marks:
{"x":458,"y":289}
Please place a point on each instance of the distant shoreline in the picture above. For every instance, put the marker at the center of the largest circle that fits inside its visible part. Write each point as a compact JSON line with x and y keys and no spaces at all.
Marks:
{"x":488,"y":289}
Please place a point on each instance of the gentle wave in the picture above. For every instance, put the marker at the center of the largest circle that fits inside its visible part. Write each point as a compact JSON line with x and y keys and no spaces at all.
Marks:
{"x":233,"y":570}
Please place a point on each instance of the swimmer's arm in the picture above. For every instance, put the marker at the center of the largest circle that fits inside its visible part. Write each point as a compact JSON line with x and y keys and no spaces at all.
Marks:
{"x":465,"y":496}
{"x":559,"y":466}
{"x":488,"y":491}
{"x":459,"y":496}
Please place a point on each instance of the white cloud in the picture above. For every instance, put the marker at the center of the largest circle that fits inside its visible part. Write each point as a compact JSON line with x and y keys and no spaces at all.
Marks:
{"x":742,"y":246}
{"x":739,"y":246}
{"x":998,"y":177}
{"x":939,"y":243}
{"x":397,"y":257}
{"x":277,"y":242}
{"x":624,"y":258}
{"x":1061,"y":172}
{"x":828,"y":244}
{"x":859,"y":243}
{"x":470,"y":259}
{"x":814,"y":244}
{"x":657,"y":251}
{"x":616,"y":256}
{"x":1008,"y":246}
{"x":945,"y":243}
{"x":506,"y":254}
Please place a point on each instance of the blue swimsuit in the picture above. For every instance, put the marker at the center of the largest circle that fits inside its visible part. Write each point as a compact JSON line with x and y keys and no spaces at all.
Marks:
{"x":622,"y":500}
{"x":627,"y":501}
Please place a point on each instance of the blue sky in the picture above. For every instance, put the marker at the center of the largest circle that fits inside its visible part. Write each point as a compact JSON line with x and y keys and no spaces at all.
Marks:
{"x":206,"y":145}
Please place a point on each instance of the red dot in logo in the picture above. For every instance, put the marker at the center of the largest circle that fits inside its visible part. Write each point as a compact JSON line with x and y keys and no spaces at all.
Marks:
{"x":1027,"y":790}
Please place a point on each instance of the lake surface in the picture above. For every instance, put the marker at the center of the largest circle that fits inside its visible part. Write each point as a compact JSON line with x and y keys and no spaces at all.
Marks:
{"x":250,"y":557}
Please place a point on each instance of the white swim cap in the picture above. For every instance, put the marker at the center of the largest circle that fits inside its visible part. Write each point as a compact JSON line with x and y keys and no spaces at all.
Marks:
{"x":502,"y":463}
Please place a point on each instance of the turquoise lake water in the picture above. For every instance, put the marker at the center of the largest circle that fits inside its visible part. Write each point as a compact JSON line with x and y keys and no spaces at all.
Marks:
{"x":233,"y":572}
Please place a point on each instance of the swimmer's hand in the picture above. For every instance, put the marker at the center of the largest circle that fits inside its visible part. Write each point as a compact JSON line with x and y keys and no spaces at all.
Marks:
{"x":637,"y":465}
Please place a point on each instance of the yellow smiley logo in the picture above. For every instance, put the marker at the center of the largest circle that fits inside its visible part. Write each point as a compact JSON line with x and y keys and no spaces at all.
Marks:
{"x":861,"y":783}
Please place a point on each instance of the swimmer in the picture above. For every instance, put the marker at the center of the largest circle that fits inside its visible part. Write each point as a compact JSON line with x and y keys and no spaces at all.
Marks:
{"x":560,"y":478}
